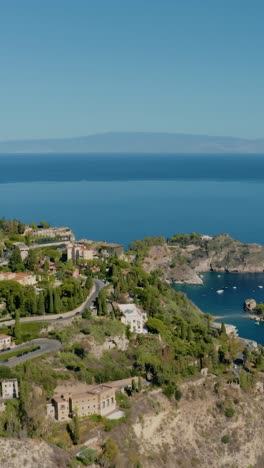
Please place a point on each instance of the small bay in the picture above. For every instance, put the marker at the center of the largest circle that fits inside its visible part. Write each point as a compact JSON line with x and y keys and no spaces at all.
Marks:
{"x":228,"y":306}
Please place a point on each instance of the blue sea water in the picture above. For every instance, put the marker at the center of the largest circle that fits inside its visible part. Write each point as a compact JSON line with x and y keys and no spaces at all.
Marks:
{"x":124,"y":197}
{"x":228,"y":306}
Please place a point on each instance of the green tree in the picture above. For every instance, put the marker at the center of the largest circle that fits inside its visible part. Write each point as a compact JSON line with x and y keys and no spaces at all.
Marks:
{"x":17,"y":329}
{"x":133,"y":386}
{"x":139,"y":384}
{"x":44,"y":224}
{"x":50,"y":302}
{"x":41,"y":304}
{"x":15,"y":260}
{"x":76,"y":430}
{"x":31,"y":260}
{"x":109,"y":452}
{"x":56,"y":301}
{"x":223,"y":329}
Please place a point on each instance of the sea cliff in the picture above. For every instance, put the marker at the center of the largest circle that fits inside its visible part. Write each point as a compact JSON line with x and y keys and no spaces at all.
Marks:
{"x":182,"y":258}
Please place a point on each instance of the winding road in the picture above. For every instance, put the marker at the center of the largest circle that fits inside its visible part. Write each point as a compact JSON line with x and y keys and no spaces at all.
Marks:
{"x":45,"y":346}
{"x":98,"y":285}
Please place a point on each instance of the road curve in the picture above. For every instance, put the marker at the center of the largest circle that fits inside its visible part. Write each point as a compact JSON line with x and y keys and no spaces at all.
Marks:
{"x":46,"y":346}
{"x":98,"y":285}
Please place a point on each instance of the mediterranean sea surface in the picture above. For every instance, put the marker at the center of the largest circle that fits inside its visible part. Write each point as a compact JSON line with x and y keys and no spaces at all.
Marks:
{"x":228,"y":306}
{"x":124,"y":197}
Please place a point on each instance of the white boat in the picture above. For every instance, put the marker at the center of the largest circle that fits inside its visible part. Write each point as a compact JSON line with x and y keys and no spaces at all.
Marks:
{"x":218,"y":276}
{"x":234,"y":287}
{"x":256,"y":323}
{"x":260,"y":287}
{"x":220,"y":291}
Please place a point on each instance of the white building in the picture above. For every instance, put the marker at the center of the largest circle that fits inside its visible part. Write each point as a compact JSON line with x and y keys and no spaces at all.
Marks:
{"x":5,"y":341}
{"x":9,"y":388}
{"x":133,"y":317}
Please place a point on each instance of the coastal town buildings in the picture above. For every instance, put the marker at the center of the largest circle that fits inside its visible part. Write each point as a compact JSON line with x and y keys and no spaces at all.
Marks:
{"x":88,"y":250}
{"x":25,"y":279}
{"x":5,"y":341}
{"x":133,"y":317}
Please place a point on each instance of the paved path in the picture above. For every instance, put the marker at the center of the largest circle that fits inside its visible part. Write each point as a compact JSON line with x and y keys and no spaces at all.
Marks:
{"x":98,"y":285}
{"x":46,"y":346}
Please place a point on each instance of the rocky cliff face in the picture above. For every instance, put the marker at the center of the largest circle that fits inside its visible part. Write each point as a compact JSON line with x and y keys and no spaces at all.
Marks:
{"x":183,"y":261}
{"x":194,"y":432}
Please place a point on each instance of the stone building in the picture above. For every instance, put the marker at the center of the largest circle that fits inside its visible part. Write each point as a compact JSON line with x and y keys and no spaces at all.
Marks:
{"x":9,"y":389}
{"x":82,"y":399}
{"x":77,"y":251}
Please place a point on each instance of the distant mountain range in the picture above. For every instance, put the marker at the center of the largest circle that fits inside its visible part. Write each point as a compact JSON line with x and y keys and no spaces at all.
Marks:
{"x":136,"y":142}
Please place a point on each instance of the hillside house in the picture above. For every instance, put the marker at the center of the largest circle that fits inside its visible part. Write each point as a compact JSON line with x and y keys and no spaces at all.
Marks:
{"x":23,"y":278}
{"x":5,"y":341}
{"x":133,"y":317}
{"x":9,"y":389}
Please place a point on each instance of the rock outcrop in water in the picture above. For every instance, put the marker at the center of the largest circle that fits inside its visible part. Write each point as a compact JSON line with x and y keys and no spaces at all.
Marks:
{"x":250,"y":305}
{"x":184,"y":257}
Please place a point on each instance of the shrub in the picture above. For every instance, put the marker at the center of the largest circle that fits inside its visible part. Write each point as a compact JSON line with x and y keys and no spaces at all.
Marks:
{"x":122,"y":400}
{"x":87,"y":456}
{"x":229,"y":412}
{"x":177,"y":394}
{"x":225,"y":439}
{"x":168,"y":391}
{"x":86,"y":314}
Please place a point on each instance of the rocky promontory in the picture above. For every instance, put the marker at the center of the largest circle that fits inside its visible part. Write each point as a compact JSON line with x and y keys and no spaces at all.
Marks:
{"x":183,"y":257}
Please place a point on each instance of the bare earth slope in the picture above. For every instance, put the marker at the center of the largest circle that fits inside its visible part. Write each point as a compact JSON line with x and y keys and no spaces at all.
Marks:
{"x":164,"y":435}
{"x":31,"y":454}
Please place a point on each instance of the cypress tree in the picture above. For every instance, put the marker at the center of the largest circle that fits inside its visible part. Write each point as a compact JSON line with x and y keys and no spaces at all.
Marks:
{"x":51,"y":305}
{"x":56,"y":301}
{"x":76,"y":430}
{"x":41,"y":304}
{"x":189,"y":333}
{"x":17,"y":329}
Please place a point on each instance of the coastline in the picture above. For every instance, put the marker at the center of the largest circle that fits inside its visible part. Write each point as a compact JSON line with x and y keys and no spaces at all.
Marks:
{"x":228,"y":306}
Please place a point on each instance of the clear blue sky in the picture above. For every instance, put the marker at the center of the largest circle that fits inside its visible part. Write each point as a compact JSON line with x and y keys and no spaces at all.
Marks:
{"x":75,"y":67}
